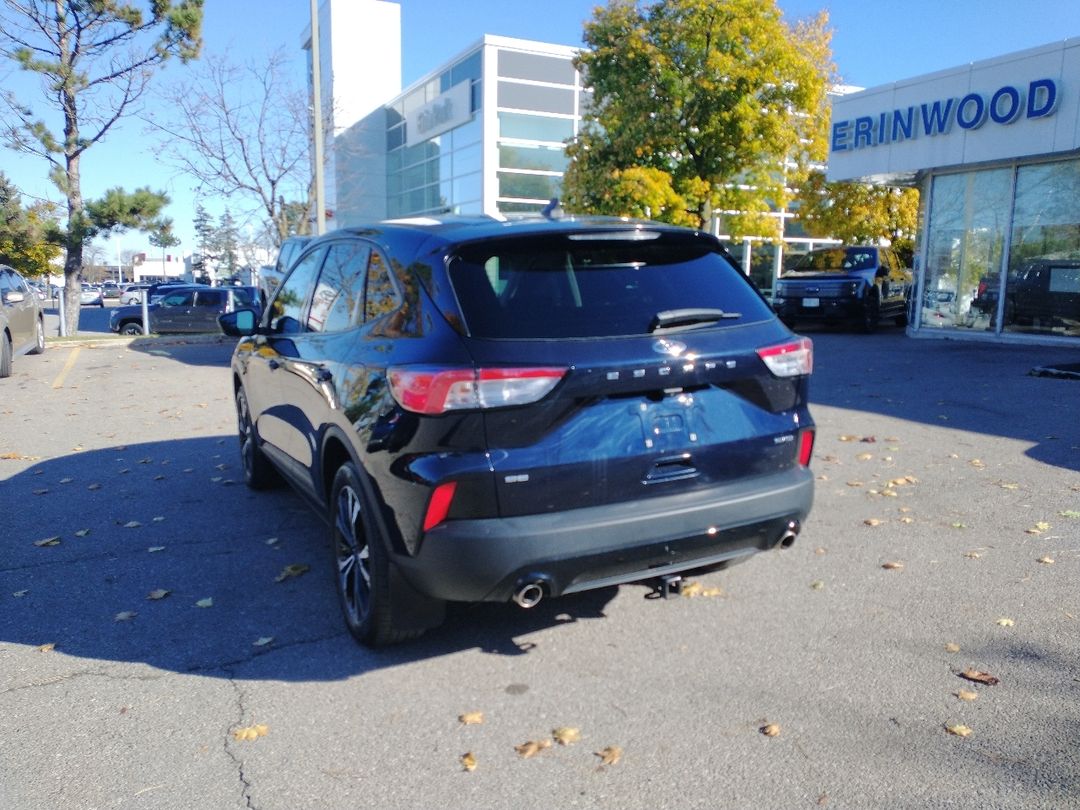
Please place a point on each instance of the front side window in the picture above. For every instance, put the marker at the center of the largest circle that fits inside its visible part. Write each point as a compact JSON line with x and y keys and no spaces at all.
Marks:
{"x":210,"y":299}
{"x":179,"y":299}
{"x":597,"y":285}
{"x":287,"y":309}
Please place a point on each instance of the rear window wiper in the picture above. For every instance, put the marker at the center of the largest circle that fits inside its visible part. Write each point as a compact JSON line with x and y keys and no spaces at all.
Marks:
{"x":671,"y":320}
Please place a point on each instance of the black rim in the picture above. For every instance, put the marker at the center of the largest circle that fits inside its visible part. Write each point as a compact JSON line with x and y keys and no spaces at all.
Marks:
{"x":353,"y":556}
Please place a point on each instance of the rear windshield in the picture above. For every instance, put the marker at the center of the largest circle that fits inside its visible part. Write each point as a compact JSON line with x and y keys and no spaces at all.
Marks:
{"x":595,"y":285}
{"x":836,"y":260}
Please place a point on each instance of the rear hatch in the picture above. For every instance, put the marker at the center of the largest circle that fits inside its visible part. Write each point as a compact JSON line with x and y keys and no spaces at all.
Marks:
{"x":653,"y":341}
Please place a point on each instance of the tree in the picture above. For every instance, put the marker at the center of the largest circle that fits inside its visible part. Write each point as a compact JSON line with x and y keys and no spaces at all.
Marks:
{"x":243,"y":133}
{"x":859,"y":212}
{"x":95,"y":59}
{"x":721,"y":100}
{"x":163,"y":238}
{"x":27,"y":235}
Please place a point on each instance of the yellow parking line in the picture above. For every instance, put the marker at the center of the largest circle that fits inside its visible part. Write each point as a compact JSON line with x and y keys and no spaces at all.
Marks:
{"x":59,"y":381}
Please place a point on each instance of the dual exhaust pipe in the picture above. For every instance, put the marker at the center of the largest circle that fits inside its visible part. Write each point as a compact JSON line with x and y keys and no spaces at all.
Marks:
{"x":531,"y":591}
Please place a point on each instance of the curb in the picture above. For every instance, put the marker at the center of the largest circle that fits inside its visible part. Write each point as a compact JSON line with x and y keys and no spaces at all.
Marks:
{"x":104,"y":342}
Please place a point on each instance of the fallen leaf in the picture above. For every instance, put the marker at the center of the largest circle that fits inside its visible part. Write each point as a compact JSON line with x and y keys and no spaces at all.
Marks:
{"x":849,"y":438}
{"x":873,"y":522}
{"x":864,"y":456}
{"x":159,"y":477}
{"x":977,"y":462}
{"x":159,"y":519}
{"x":471,"y":718}
{"x":132,"y":524}
{"x":907,"y":519}
{"x":20,"y":594}
{"x":690,"y":589}
{"x":855,"y":484}
{"x":952,"y":647}
{"x":817,"y":584}
{"x":892,"y":565}
{"x":770,"y":730}
{"x":980,"y":677}
{"x":41,"y":491}
{"x":251,"y":732}
{"x":125,"y":616}
{"x":1005,"y":622}
{"x":47,"y":647}
{"x":18,"y":457}
{"x":972,"y":555}
{"x":867,"y":440}
{"x":262,"y":641}
{"x":48,"y":541}
{"x":155,"y":595}
{"x":967,"y":694}
{"x":959,"y":730}
{"x":272,"y":541}
{"x":959,"y":525}
{"x":154,"y":549}
{"x":66,"y":480}
{"x":468,"y":762}
{"x":1008,"y":485}
{"x":294,"y":570}
{"x":205,"y":603}
{"x":93,"y":487}
{"x":532,"y":748}
{"x":821,"y":550}
{"x":1069,"y":513}
{"x":82,"y":532}
{"x":565,"y":735}
{"x":1046,"y":560}
{"x":610,"y":755}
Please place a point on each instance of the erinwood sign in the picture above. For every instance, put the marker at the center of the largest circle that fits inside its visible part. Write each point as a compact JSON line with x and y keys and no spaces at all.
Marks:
{"x":1015,"y":106}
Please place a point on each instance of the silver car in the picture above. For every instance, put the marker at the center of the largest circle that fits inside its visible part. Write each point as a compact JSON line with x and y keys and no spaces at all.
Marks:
{"x":22,"y":325}
{"x":91,"y":296}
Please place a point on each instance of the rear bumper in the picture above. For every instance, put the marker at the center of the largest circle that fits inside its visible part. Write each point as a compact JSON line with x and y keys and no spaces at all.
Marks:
{"x":580,"y":549}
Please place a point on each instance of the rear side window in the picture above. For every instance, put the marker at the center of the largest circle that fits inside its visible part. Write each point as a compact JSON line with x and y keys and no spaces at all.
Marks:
{"x":287,"y":308}
{"x":336,"y":303}
{"x":210,"y":299}
{"x":595,"y":285}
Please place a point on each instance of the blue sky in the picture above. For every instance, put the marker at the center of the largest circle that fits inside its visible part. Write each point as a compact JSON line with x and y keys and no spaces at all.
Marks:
{"x":873,"y":43}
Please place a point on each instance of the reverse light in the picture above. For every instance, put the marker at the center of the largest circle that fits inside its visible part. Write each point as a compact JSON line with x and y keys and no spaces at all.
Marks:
{"x":789,"y":359}
{"x":439,"y":505}
{"x":435,"y":390}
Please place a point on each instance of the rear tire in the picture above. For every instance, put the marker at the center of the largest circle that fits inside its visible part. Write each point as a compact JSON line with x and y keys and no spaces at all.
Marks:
{"x":361,"y":566}
{"x":259,"y":472}
{"x":5,"y":355}
{"x":39,"y":338}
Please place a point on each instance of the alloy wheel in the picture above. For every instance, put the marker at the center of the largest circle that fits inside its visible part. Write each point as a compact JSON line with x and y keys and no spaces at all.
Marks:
{"x":353,"y":556}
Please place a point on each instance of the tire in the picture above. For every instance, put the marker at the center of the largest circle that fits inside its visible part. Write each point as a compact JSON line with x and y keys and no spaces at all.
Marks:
{"x":871,"y":313}
{"x":5,"y":355}
{"x":39,"y":338}
{"x":259,"y":472}
{"x":131,"y":328}
{"x":361,"y":566}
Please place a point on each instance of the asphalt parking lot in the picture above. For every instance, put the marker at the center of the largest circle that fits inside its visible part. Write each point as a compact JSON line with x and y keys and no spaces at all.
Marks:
{"x":945,"y":538}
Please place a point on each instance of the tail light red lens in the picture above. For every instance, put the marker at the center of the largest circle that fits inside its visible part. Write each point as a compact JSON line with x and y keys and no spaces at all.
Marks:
{"x":431,"y":390}
{"x":806,"y":447}
{"x":792,"y":359}
{"x":439,"y":505}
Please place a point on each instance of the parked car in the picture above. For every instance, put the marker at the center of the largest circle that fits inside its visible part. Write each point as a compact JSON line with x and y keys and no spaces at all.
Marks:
{"x":91,"y":296}
{"x":133,"y":293}
{"x":110,"y":289}
{"x":194,"y":308}
{"x":22,"y":324}
{"x":858,"y":285}
{"x":1044,"y":293}
{"x":493,"y":411}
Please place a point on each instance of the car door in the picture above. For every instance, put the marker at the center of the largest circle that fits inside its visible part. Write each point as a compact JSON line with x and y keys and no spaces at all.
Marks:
{"x":316,"y":362}
{"x":202,"y":316}
{"x":277,"y":421}
{"x":171,"y":311}
{"x":19,"y":308}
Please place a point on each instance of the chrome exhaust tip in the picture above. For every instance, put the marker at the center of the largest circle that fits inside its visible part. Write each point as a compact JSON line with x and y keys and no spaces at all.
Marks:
{"x":787,"y":539}
{"x":529,"y":594}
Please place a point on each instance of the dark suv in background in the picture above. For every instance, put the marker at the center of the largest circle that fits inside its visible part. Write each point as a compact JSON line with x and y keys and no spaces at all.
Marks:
{"x":493,"y":411}
{"x":194,"y":308}
{"x":859,"y":285}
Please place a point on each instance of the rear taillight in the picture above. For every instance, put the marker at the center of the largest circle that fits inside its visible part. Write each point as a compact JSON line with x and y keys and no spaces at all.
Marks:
{"x":789,"y":359}
{"x":439,"y":505}
{"x":806,"y":447}
{"x":431,"y":390}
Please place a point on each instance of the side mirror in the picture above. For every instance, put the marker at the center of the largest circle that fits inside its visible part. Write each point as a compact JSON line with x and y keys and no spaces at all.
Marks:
{"x":13,"y":297}
{"x":240,"y":323}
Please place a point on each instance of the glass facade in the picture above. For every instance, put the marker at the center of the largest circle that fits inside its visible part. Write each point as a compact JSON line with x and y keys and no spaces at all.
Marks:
{"x":1002,"y":250}
{"x":535,"y":106}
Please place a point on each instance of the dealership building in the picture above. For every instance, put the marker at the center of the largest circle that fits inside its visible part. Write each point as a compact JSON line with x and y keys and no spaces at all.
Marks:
{"x":994,"y":148}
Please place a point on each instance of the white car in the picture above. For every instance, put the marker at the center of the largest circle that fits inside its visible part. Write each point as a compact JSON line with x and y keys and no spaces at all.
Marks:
{"x":133,"y":294}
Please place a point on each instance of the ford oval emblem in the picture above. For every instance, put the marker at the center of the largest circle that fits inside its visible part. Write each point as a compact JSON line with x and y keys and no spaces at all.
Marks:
{"x":672,"y":348}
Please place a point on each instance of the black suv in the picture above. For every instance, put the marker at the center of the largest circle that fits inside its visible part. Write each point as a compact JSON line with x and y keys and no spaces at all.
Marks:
{"x":194,"y":308}
{"x":486,"y":410}
{"x":845,"y":284}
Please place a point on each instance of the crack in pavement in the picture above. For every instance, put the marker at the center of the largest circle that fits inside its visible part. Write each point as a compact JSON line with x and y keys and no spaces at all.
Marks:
{"x":84,"y":673}
{"x":245,"y":791}
{"x":227,"y":666}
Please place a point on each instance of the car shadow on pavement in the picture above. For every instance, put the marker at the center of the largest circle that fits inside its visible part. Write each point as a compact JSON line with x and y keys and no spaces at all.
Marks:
{"x":980,"y":387}
{"x":157,"y":553}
